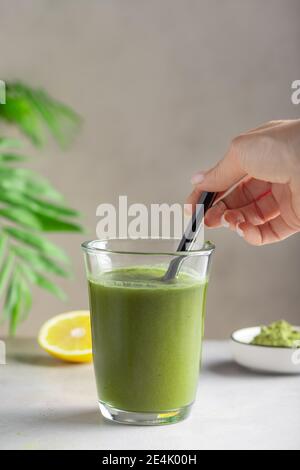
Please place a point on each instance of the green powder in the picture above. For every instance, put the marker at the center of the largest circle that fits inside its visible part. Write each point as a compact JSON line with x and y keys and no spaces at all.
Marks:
{"x":280,"y":334}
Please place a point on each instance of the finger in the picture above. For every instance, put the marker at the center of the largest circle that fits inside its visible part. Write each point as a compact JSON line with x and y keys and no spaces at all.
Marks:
{"x":264,"y":126}
{"x":256,"y":153}
{"x":257,"y":213}
{"x":242,"y":195}
{"x":270,"y":232}
{"x":247,"y":192}
{"x":226,"y":173}
{"x":252,"y":201}
{"x":214,"y":216}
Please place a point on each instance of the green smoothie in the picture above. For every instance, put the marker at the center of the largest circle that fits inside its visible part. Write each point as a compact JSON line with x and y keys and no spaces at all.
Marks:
{"x":147,"y":337}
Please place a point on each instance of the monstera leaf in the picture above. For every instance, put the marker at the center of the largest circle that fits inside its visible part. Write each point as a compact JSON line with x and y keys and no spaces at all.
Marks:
{"x":30,"y":205}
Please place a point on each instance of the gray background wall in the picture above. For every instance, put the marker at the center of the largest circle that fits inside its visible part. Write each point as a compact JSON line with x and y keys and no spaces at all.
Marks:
{"x":163,"y":85}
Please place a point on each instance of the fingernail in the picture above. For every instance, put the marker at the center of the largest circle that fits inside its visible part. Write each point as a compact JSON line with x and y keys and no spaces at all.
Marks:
{"x":224,"y":222}
{"x":197,"y":178}
{"x":239,"y":231}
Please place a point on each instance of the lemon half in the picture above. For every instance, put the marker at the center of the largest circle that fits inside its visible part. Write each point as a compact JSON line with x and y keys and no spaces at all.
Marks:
{"x":68,"y":336}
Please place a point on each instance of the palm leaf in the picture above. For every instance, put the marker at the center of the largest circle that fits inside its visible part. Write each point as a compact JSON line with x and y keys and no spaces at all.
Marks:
{"x":11,"y":158}
{"x":18,"y":301}
{"x":35,"y":205}
{"x":11,"y":297}
{"x":15,"y":184}
{"x":33,"y":110}
{"x":45,"y":283}
{"x":41,"y":244}
{"x":16,"y":305}
{"x":3,"y":241}
{"x":27,"y":297}
{"x":7,"y":143}
{"x":40,"y":262}
{"x":34,"y":277}
{"x":27,"y":181}
{"x":21,"y":216}
{"x":38,"y":221}
{"x":5,"y":272}
{"x":51,"y":208}
{"x":31,"y":204}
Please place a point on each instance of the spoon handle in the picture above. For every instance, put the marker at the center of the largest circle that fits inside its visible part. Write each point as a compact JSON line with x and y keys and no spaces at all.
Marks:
{"x":205,"y":201}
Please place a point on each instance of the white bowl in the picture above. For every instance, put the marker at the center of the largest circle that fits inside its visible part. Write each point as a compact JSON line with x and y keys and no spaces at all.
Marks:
{"x":272,"y":359}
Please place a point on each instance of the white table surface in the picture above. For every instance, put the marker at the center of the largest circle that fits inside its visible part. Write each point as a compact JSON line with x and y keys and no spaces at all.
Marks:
{"x":46,"y":404}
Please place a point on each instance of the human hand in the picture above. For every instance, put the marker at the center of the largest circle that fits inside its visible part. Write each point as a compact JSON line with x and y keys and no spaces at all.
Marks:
{"x":265,"y":206}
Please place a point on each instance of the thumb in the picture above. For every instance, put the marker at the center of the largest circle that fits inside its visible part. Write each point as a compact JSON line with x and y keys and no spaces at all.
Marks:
{"x":222,"y":176}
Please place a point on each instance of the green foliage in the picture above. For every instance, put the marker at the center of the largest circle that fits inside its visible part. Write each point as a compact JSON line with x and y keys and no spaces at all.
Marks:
{"x":30,"y":205}
{"x":34,"y":111}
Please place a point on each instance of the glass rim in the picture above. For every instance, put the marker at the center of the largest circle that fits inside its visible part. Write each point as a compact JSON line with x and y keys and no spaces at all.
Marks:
{"x":88,"y":247}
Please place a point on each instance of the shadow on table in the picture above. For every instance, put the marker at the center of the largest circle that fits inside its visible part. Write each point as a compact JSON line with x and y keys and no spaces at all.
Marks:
{"x":70,"y":418}
{"x":61,"y":418}
{"x":228,"y":368}
{"x":40,"y":360}
{"x":27,"y":351}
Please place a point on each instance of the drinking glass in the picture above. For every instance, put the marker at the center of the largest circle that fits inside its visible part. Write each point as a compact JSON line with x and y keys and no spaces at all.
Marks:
{"x":146,"y":332}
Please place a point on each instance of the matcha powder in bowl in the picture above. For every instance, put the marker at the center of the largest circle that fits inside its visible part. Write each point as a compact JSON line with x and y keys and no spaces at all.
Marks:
{"x":280,"y":334}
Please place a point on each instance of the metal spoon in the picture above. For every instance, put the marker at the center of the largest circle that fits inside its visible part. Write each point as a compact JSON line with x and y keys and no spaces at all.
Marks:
{"x":208,"y":199}
{"x":205,"y":201}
